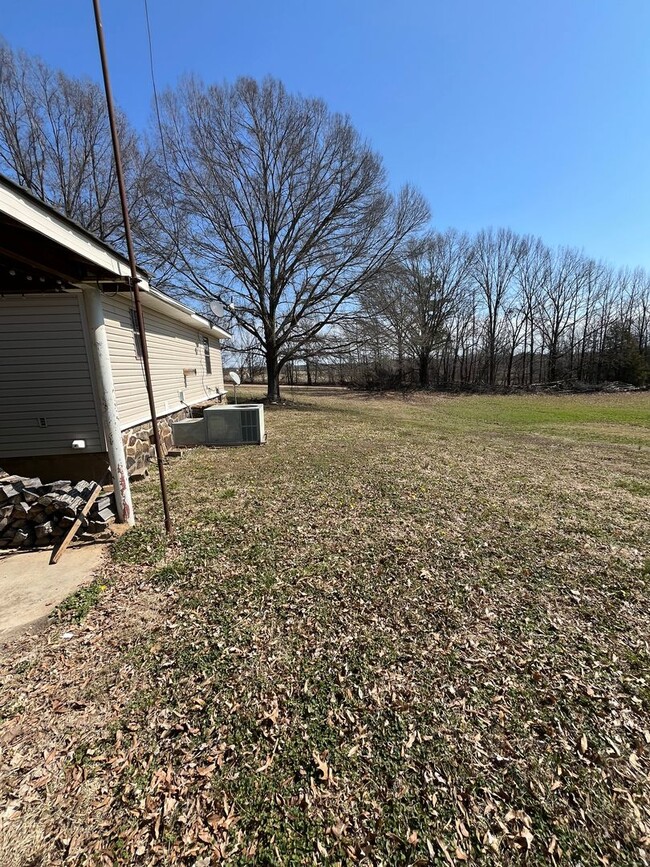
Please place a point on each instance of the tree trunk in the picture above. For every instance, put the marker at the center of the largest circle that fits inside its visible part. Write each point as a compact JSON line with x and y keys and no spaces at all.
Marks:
{"x":272,"y":378}
{"x":511,"y":358}
{"x":454,"y":366}
{"x":423,"y":369}
{"x":551,"y":374}
{"x":492,"y":354}
{"x":400,"y":360}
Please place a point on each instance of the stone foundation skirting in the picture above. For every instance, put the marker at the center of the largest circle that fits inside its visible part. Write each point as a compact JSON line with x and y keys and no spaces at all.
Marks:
{"x":139,"y":445}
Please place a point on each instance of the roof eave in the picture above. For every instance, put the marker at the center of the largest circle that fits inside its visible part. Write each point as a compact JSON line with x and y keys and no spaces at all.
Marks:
{"x":200,"y":322}
{"x":26,"y":208}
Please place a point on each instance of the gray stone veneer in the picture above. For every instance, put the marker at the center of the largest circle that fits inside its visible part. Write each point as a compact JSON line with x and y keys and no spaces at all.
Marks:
{"x":138,"y":441}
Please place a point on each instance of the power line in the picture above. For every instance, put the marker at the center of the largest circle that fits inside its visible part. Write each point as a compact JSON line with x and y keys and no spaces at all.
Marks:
{"x":155,"y":96}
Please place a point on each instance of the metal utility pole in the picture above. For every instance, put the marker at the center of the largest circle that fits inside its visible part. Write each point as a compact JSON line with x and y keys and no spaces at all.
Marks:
{"x":134,"y":271}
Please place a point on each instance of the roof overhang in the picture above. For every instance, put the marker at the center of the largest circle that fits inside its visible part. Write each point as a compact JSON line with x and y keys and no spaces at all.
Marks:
{"x":64,"y":254}
{"x":24,"y":209}
{"x":156,"y":300}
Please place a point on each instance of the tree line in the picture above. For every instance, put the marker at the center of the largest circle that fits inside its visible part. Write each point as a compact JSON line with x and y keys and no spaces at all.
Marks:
{"x":272,"y":204}
{"x":499,"y":309}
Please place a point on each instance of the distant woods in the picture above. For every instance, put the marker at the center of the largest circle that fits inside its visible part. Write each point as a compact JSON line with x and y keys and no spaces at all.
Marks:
{"x":499,"y":309}
{"x":275,"y":206}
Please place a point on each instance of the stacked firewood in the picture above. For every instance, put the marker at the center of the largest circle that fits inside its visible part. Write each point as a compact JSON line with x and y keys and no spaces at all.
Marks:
{"x":33,"y":514}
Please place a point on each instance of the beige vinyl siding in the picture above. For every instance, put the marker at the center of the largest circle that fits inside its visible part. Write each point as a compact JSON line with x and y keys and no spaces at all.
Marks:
{"x":173,"y":347}
{"x":45,"y":372}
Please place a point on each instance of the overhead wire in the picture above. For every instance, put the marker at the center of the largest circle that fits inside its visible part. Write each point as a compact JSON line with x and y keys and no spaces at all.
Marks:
{"x":155,"y":90}
{"x":163,"y":146}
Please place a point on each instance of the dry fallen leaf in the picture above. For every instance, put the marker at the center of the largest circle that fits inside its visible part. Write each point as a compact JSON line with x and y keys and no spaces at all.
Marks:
{"x":527,"y":836}
{"x":323,"y":768}
{"x":267,"y":764}
{"x":445,"y":852}
{"x":214,"y":821}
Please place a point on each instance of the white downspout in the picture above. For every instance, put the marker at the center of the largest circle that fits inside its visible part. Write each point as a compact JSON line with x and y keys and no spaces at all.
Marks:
{"x":112,"y":432}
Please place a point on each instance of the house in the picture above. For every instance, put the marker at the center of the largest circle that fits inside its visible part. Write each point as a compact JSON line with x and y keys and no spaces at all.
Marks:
{"x":73,"y":402}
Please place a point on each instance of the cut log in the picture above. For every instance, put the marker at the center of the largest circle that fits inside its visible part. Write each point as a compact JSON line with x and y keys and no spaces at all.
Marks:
{"x":31,"y":495}
{"x":59,"y":551}
{"x":43,"y":531}
{"x":9,"y":493}
{"x":9,"y":480}
{"x":62,"y":485}
{"x":82,"y":488}
{"x":35,"y":482}
{"x":105,"y":515}
{"x":103,"y":503}
{"x":19,"y":539}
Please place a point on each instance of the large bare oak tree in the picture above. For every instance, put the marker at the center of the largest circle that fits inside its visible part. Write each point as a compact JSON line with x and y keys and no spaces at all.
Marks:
{"x":275,"y":205}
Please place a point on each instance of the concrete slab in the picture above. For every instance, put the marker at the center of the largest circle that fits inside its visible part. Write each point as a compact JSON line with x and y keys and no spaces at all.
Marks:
{"x":30,"y":587}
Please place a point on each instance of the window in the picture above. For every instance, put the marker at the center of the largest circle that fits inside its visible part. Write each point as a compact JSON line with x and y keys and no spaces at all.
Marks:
{"x":206,"y":351}
{"x":136,"y":334}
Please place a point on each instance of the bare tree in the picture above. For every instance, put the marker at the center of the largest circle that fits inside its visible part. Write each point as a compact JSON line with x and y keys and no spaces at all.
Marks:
{"x":434,"y":270}
{"x":385,"y":316}
{"x":276,"y":205}
{"x":496,"y":255}
{"x":640,"y":303}
{"x":55,"y":141}
{"x":566,"y":273}
{"x":530,"y":276}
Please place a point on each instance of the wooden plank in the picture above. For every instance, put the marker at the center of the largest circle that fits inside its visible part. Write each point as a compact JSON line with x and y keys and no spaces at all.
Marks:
{"x":60,"y":549}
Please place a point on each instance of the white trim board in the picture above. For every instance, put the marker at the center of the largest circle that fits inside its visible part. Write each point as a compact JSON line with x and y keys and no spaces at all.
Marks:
{"x":172,"y":409}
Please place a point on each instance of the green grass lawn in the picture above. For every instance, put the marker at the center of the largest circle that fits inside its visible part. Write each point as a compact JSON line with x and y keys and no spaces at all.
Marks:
{"x":406,"y":631}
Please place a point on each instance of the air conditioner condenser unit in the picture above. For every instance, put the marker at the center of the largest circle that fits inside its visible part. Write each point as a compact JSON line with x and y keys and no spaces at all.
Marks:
{"x":239,"y":424}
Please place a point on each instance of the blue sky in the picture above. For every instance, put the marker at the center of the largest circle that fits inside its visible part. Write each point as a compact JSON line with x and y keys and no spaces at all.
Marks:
{"x":533,"y":114}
